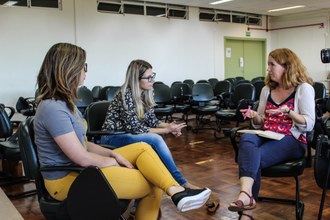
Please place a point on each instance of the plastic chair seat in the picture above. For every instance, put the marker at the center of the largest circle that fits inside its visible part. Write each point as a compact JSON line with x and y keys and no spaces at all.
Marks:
{"x":226,"y":113}
{"x":182,"y":108}
{"x":206,"y":110}
{"x":164,"y":109}
{"x":285,"y":169}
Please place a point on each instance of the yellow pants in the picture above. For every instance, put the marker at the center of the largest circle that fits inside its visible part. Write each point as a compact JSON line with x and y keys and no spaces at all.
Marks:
{"x":147,"y":181}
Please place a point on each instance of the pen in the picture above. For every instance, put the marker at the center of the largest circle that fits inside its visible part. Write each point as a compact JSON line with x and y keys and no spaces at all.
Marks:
{"x":247,"y":112}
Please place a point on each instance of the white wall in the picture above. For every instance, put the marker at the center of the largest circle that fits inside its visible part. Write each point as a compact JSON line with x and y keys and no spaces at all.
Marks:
{"x":177,"y":49}
{"x":307,"y":42}
{"x":25,"y":36}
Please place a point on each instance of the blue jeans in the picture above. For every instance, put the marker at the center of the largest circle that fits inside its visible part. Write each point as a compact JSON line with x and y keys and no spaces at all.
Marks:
{"x":256,"y":152}
{"x":156,"y":142}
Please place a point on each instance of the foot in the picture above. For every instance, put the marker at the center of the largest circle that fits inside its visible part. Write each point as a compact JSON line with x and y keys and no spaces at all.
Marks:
{"x":244,"y":202}
{"x":191,"y":199}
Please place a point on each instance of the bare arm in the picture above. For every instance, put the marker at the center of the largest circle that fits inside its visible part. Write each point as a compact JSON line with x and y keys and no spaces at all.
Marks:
{"x":166,"y":128}
{"x":297,"y":118}
{"x":95,"y":156}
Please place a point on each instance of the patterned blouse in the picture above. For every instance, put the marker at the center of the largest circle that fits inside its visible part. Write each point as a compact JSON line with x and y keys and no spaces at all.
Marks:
{"x":124,"y":118}
{"x":280,"y":122}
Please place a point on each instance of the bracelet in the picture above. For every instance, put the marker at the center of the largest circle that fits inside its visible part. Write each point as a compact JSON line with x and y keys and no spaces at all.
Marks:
{"x":288,"y":112}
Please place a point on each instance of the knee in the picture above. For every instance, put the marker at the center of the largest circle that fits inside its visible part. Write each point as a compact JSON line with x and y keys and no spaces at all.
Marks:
{"x":156,"y":137}
{"x":248,"y":137}
{"x":249,"y":140}
{"x":145,"y":146}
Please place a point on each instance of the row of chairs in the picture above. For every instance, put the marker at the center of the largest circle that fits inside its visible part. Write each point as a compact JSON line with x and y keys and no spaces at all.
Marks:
{"x":213,"y":81}
{"x":98,"y":93}
{"x":202,"y":100}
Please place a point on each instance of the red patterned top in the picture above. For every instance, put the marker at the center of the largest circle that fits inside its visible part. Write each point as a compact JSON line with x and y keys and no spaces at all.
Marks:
{"x":277,"y":121}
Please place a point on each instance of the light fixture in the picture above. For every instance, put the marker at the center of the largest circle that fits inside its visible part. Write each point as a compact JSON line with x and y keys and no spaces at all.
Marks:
{"x":287,"y":8}
{"x":10,"y":3}
{"x":220,"y":2}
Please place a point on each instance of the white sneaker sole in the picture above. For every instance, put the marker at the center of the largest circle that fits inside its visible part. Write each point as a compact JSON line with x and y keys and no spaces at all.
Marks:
{"x":194,"y":202}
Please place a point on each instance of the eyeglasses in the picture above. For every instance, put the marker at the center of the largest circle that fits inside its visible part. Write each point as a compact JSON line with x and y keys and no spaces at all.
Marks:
{"x":85,"y":67}
{"x":150,"y":78}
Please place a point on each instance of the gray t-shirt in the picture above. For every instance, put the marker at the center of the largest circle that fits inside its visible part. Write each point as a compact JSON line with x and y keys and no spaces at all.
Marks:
{"x":52,"y":119}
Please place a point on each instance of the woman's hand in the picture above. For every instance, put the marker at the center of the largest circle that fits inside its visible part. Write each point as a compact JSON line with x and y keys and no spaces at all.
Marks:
{"x":177,"y":134}
{"x":249,"y":113}
{"x":120,"y":160}
{"x":175,"y":128}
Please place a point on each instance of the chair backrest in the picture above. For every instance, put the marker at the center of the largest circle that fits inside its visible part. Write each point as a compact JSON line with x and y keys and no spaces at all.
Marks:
{"x":320,"y":90}
{"x":29,"y":154}
{"x":9,"y":110}
{"x":221,"y":87}
{"x":111,"y":92}
{"x":175,"y":82}
{"x":239,"y":78}
{"x":108,"y":92}
{"x":202,"y":81}
{"x":190,"y":82}
{"x":213,"y":81}
{"x":26,"y":106}
{"x":321,"y":162}
{"x":96,"y":90}
{"x":259,"y":84}
{"x":202,"y":92}
{"x":262,"y":78}
{"x":6,"y":128}
{"x":85,"y":97}
{"x":28,"y":148}
{"x":233,"y":82}
{"x":95,"y":115}
{"x":181,"y":91}
{"x":243,"y":91}
{"x":162,"y":93}
{"x":158,"y":82}
{"x":241,"y":81}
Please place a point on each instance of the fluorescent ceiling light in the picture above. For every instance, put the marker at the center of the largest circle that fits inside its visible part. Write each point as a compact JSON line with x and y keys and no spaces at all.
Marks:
{"x":10,"y":3}
{"x":287,"y":8}
{"x":220,"y":2}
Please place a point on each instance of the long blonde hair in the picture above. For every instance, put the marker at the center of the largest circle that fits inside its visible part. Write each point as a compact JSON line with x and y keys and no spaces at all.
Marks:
{"x":60,"y":73}
{"x":143,"y":99}
{"x":295,"y":72}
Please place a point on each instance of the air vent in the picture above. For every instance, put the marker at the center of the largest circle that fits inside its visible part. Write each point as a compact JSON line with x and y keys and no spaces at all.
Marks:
{"x":206,"y":14}
{"x":143,"y":8}
{"x":32,"y":3}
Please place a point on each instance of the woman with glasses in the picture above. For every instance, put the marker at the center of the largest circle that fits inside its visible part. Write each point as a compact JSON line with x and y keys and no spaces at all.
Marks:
{"x":132,"y":111}
{"x":134,"y":171}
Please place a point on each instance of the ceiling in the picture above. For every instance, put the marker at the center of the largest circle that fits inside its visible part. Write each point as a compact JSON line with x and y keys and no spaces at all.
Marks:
{"x":256,"y":6}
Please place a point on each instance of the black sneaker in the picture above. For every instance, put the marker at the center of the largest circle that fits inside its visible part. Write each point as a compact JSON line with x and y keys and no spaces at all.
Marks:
{"x":191,"y":199}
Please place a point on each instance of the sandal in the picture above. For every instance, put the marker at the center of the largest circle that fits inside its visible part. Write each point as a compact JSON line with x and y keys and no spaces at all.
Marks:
{"x":241,"y":214}
{"x":213,"y":205}
{"x":239,"y":206}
